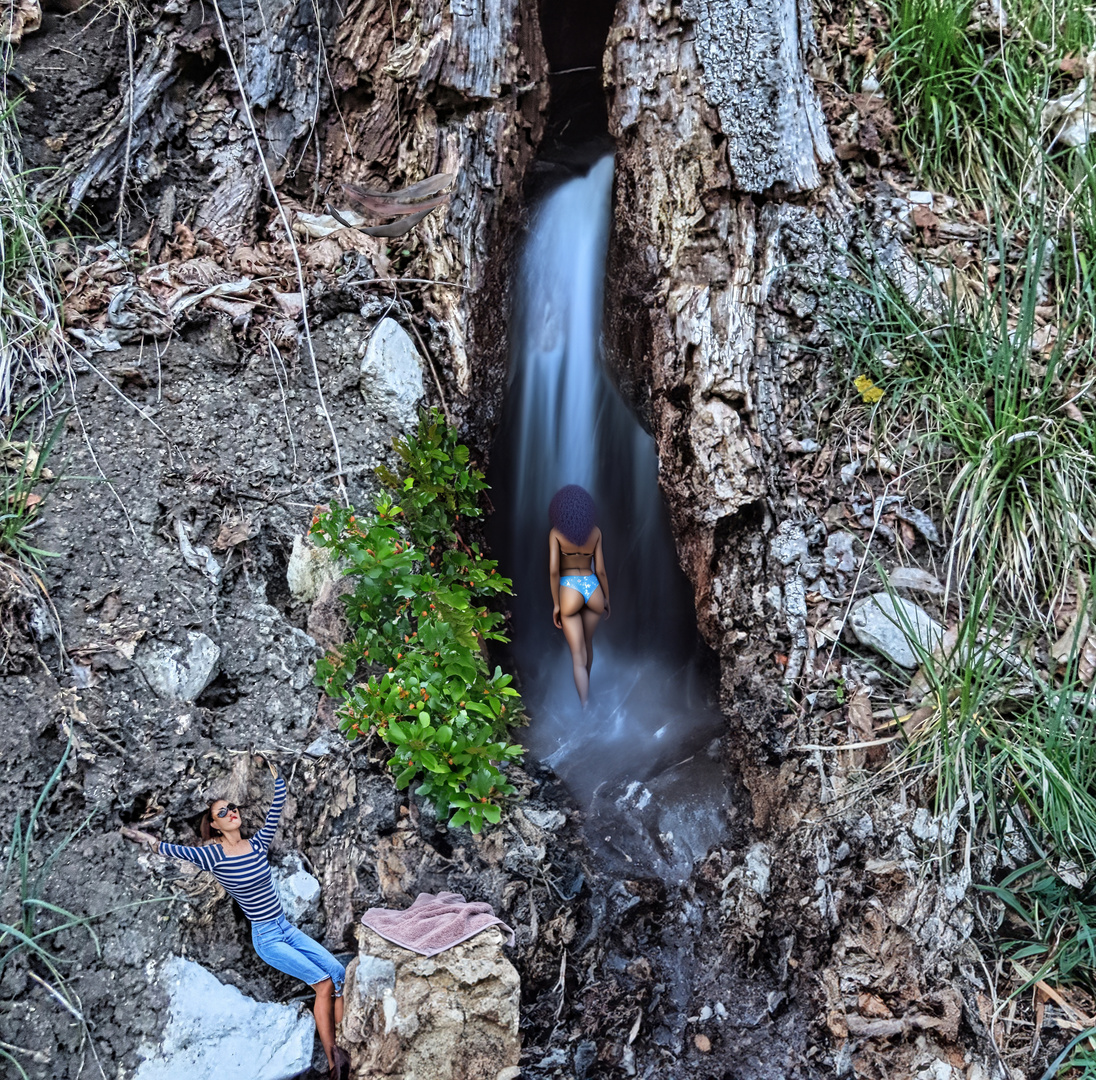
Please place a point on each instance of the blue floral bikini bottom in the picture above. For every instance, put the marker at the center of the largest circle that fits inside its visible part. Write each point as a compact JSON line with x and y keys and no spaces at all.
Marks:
{"x":586,"y":584}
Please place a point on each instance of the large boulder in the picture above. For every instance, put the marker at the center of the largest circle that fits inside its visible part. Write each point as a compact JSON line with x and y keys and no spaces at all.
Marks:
{"x":213,"y":1030}
{"x":453,"y":1016}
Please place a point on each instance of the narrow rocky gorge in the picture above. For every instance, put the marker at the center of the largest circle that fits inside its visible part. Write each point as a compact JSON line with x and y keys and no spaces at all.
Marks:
{"x":200,"y":428}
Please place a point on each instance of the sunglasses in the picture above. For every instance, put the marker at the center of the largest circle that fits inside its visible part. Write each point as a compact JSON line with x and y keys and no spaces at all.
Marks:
{"x":225,"y":809}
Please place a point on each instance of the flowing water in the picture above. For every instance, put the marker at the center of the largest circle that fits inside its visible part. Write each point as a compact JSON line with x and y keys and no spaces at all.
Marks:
{"x":640,"y":756}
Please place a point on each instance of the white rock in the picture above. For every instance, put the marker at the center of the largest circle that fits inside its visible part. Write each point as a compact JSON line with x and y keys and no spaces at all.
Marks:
{"x":453,"y":1016}
{"x":1076,"y":113}
{"x":391,"y":373}
{"x":215,"y":1031}
{"x":924,"y":826}
{"x":322,"y":746}
{"x":924,"y":198}
{"x":180,"y":672}
{"x":297,"y":889}
{"x":936,"y":1070}
{"x":913,"y":577}
{"x":309,"y":569}
{"x":548,"y":820}
{"x":839,"y":553}
{"x":789,"y":543}
{"x":758,"y":866}
{"x":889,"y":625}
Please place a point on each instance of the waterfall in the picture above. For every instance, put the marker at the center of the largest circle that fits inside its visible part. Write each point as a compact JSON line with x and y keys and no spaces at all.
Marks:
{"x":565,"y":423}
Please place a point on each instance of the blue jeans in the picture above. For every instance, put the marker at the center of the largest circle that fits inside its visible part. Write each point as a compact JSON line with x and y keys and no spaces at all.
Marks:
{"x":284,"y":947}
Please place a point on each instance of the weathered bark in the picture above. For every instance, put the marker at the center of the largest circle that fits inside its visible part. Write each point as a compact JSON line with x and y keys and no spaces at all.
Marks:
{"x":727,"y":234}
{"x":754,"y":60}
{"x":699,"y":330}
{"x":482,"y":61}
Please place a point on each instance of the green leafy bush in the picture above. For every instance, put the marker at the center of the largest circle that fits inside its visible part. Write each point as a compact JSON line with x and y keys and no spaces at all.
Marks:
{"x":415,"y":669}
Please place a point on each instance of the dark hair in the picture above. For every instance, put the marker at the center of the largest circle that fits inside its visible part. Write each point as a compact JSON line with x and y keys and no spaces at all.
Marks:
{"x":206,"y":827}
{"x":573,"y":513}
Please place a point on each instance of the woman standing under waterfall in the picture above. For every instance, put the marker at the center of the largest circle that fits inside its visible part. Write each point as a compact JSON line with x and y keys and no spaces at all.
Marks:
{"x":243,"y":868}
{"x":576,"y":570}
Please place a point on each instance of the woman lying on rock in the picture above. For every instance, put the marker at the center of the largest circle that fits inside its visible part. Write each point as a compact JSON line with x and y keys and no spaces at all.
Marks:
{"x":243,"y":868}
{"x":576,"y":574}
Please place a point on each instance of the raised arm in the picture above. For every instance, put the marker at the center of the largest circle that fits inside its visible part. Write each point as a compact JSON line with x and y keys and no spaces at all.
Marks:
{"x":265,"y":835}
{"x":553,"y":577}
{"x":599,"y":569}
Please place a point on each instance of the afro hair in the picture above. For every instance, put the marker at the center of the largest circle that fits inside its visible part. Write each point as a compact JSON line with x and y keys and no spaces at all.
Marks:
{"x":572,"y":512}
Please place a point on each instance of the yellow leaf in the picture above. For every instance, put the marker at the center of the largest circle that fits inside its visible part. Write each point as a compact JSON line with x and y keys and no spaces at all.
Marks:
{"x":867,"y":390}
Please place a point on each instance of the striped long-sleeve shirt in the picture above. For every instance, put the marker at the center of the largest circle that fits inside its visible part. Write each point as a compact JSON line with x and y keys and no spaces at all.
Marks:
{"x":245,"y":877}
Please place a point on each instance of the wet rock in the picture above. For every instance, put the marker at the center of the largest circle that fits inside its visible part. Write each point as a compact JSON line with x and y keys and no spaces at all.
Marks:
{"x":214,"y":1030}
{"x":297,"y":889}
{"x":391,"y":373}
{"x":308,"y":569}
{"x":453,"y":1016}
{"x":180,"y":672}
{"x":890,"y":624}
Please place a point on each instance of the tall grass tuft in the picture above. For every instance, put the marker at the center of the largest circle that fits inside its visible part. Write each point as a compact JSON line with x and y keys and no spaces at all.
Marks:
{"x":33,"y":349}
{"x":31,"y":925}
{"x":22,"y":470}
{"x":969,"y":88}
{"x":1005,"y":430}
{"x":1013,"y":746}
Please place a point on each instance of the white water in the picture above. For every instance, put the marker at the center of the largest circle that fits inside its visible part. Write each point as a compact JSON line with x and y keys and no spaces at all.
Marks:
{"x":636,"y":756}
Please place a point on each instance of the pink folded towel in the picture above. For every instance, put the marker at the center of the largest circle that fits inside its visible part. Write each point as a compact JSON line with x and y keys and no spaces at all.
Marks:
{"x":432,"y":923}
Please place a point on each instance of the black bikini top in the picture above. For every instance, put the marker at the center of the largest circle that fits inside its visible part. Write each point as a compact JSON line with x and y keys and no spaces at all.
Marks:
{"x":573,"y":554}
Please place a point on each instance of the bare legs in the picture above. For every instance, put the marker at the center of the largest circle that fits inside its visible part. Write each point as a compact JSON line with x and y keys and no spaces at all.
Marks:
{"x":579,"y":623}
{"x":328,"y":1012}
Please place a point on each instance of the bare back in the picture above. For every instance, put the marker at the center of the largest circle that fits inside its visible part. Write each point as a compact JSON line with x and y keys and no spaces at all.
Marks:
{"x":576,"y":557}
